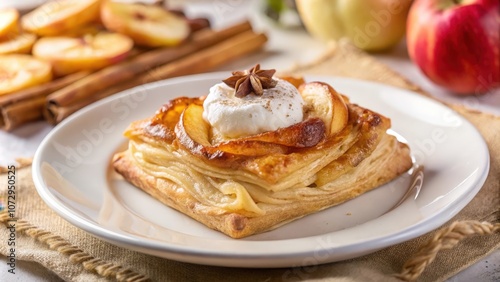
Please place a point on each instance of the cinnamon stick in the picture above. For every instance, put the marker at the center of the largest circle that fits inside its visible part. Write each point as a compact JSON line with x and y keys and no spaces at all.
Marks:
{"x":210,"y":58}
{"x":26,"y":105}
{"x":201,"y":61}
{"x":84,"y":89}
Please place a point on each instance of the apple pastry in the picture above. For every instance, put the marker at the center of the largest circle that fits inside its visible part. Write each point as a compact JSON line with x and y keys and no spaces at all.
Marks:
{"x":260,"y":151}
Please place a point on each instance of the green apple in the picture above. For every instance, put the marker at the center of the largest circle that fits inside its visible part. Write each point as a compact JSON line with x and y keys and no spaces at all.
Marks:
{"x":372,"y":25}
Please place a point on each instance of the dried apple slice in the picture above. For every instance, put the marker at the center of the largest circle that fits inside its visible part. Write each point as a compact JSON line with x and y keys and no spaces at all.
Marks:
{"x":57,"y":17}
{"x":192,"y":130}
{"x":90,"y":52}
{"x":322,"y":101}
{"x":252,"y":148}
{"x":22,"y":71}
{"x":300,"y":135}
{"x":162,"y":125}
{"x":21,"y":44}
{"x":9,"y":26}
{"x":147,"y":25}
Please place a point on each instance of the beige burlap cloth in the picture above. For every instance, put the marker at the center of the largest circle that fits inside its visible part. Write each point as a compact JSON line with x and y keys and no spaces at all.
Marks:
{"x":73,"y":255}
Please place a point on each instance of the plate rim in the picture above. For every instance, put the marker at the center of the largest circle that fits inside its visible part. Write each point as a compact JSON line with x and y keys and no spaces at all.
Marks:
{"x":132,"y":242}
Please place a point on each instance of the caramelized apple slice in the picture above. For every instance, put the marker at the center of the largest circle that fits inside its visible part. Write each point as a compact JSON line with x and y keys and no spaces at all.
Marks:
{"x":322,"y":101}
{"x":193,"y":132}
{"x":147,"y":25}
{"x":169,"y":114}
{"x":303,"y":134}
{"x":252,"y":148}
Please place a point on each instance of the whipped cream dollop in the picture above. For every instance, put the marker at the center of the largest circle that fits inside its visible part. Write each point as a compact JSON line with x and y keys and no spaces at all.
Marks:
{"x":278,"y":107}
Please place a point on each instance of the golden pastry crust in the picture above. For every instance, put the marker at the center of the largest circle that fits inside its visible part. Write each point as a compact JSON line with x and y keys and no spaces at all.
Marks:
{"x":236,"y":225}
{"x":279,"y":187}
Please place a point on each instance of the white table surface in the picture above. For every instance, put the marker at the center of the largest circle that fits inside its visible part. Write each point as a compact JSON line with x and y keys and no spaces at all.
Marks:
{"x":284,"y":49}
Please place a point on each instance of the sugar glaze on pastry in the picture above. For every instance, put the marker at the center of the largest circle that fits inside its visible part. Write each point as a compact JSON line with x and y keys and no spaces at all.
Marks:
{"x":278,"y":107}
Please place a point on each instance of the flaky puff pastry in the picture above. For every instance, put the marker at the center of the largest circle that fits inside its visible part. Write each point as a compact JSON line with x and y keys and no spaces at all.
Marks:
{"x":256,"y":183}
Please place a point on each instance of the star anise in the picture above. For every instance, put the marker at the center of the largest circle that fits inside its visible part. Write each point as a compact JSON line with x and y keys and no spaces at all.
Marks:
{"x":251,"y":81}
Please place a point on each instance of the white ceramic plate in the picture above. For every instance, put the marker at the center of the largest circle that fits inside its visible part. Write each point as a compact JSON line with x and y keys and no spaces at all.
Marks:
{"x":72,"y":174}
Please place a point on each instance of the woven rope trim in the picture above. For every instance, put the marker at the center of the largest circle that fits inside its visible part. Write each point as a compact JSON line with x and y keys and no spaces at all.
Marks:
{"x":444,"y":239}
{"x":76,"y":255}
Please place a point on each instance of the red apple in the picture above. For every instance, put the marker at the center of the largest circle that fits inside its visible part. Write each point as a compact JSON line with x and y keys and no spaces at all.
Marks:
{"x":456,"y":43}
